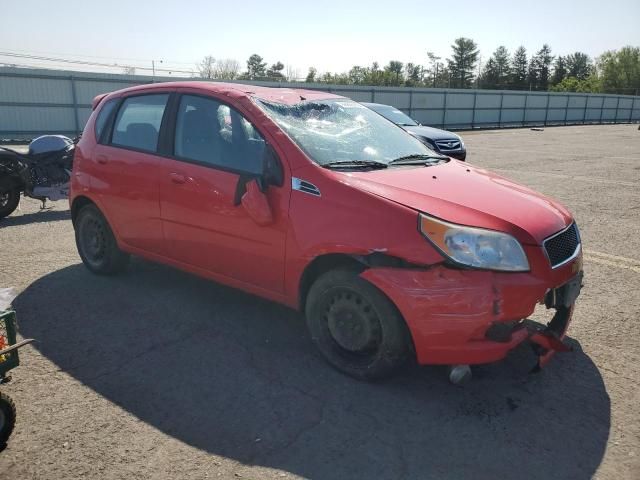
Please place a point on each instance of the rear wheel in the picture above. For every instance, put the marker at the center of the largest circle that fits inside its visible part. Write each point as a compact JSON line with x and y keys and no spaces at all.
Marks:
{"x":7,"y":417}
{"x":96,"y":244}
{"x":355,"y":326}
{"x":9,"y":200}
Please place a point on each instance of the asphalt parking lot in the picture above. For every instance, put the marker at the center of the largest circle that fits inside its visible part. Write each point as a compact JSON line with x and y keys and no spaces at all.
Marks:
{"x":159,"y":374}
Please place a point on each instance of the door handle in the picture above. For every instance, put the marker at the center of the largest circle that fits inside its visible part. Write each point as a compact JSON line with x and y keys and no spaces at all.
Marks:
{"x":177,"y":178}
{"x":102,"y":159}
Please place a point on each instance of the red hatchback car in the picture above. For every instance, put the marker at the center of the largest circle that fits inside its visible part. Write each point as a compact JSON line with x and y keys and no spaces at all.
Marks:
{"x":314,"y":201}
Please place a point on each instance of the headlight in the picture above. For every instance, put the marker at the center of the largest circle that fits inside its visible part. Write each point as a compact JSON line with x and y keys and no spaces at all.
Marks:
{"x":475,"y":247}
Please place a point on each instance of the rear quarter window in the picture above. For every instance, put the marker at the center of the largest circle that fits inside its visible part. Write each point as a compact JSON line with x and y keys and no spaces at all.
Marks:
{"x":103,"y":116}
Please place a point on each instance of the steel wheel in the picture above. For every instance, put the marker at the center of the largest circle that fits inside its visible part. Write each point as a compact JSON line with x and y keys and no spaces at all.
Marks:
{"x":353,"y":323}
{"x":93,"y":240}
{"x":356,"y":327}
{"x":96,"y":244}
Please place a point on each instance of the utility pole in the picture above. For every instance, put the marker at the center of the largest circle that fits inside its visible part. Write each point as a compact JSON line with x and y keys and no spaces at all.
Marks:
{"x":153,"y":70}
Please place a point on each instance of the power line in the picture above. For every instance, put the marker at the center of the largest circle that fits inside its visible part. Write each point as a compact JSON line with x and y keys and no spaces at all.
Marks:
{"x":88,"y":63}
{"x":58,"y":54}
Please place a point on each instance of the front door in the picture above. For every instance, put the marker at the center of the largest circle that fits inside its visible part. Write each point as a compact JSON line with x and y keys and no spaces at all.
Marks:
{"x":215,"y":151}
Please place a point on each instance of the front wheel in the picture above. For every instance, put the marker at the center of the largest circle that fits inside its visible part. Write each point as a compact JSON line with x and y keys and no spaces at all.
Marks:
{"x":356,"y":327}
{"x":9,"y":200}
{"x":96,"y":244}
{"x":7,"y":417}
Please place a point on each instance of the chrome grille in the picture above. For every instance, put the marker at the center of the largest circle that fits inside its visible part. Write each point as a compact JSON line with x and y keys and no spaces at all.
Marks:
{"x":448,"y":145}
{"x":563,"y":246}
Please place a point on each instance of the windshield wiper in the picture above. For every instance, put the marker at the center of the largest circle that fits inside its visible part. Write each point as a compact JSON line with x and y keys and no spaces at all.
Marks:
{"x":355,"y":164}
{"x":418,"y":159}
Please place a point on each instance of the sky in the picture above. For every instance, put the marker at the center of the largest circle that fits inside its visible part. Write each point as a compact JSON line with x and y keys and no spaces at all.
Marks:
{"x":330,"y":35}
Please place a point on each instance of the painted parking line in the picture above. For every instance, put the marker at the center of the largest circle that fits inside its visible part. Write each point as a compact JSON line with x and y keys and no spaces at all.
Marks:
{"x":563,"y":176}
{"x":530,"y":151}
{"x":612,"y":260}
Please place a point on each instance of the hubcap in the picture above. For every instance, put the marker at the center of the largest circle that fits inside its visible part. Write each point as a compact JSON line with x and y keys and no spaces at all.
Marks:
{"x":4,"y":199}
{"x":352,"y":322}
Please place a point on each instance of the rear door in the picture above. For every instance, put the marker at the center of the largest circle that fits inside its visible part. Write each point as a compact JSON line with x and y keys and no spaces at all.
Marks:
{"x":215,"y":150}
{"x":126,"y":169}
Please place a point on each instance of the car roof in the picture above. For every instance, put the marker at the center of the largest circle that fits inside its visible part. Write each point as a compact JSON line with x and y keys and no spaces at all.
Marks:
{"x":287,"y":96}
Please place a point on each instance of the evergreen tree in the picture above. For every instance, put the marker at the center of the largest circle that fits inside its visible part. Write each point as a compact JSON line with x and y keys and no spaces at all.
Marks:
{"x":543,"y":66}
{"x":275,"y":71}
{"x":490,"y":77}
{"x":255,"y":67}
{"x":532,"y":73}
{"x":311,"y":76}
{"x":463,"y":62}
{"x":520,"y":69}
{"x":503,"y":65}
{"x":559,"y":70}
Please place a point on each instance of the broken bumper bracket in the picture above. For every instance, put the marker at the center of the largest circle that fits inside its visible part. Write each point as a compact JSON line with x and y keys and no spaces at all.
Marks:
{"x":547,"y":341}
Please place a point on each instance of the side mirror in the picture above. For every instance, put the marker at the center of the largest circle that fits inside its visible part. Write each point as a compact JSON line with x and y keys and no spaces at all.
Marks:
{"x":256,"y":203}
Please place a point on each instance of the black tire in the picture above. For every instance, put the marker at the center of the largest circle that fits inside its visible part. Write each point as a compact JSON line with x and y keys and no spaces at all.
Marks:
{"x":7,"y":418}
{"x":355,"y":326}
{"x":9,"y":200}
{"x":96,"y":244}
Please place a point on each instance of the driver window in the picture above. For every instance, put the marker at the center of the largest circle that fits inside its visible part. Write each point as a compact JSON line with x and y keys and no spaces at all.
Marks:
{"x":210,"y":132}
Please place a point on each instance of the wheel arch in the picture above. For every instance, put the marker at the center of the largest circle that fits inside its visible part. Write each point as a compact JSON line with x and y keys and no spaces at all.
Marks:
{"x":351,"y":261}
{"x":78,"y":203}
{"x":322,"y":264}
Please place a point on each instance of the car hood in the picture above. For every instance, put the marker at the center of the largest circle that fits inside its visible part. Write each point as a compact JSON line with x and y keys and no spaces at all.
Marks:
{"x":461,"y":193}
{"x":430,"y":132}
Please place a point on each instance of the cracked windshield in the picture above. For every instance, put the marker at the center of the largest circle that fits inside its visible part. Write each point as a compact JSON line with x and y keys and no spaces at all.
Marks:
{"x":331,"y":131}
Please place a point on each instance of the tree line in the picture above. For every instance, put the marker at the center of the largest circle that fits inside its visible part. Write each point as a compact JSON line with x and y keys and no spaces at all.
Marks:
{"x":615,"y":71}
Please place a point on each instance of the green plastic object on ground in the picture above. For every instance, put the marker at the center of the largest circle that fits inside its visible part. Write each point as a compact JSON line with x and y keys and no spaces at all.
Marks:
{"x":8,"y":360}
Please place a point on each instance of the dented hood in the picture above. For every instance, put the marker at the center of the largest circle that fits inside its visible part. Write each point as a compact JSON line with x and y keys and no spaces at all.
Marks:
{"x":461,"y":193}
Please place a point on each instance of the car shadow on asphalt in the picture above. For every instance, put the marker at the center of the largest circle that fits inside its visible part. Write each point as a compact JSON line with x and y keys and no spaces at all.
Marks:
{"x":45,"y":215}
{"x":238,"y":376}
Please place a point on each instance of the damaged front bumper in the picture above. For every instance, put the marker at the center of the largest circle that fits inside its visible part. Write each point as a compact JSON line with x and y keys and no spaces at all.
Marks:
{"x":474,"y":316}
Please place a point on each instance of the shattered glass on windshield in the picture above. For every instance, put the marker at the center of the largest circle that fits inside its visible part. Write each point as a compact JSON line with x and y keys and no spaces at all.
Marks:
{"x":331,"y":131}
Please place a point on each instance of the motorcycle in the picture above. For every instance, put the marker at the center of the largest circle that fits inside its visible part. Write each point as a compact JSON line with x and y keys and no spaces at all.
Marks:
{"x":44,"y":173}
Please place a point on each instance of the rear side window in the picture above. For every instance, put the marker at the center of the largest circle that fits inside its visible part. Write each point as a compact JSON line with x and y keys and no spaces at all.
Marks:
{"x":212,"y":133}
{"x":103,"y":116}
{"x":138,"y":122}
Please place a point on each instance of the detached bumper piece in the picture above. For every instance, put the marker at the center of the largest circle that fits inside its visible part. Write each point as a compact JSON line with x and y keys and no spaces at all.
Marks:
{"x":545,"y":341}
